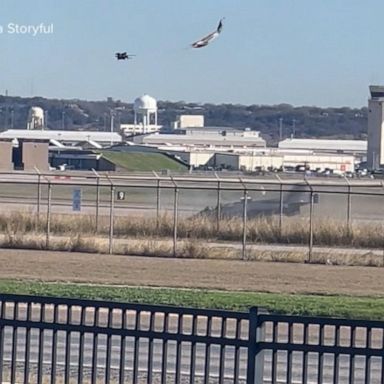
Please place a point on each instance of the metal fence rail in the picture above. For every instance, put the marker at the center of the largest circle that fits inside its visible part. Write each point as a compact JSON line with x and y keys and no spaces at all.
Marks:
{"x":113,"y":342}
{"x":66,"y":340}
{"x":321,"y":350}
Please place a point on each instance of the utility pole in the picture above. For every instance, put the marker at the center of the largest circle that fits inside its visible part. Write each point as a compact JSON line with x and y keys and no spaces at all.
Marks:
{"x":63,"y":120}
{"x":280,"y":129}
{"x":293,"y":127}
{"x":12,"y":118}
{"x":112,"y":123}
{"x":45,"y":120}
{"x":6,"y":118}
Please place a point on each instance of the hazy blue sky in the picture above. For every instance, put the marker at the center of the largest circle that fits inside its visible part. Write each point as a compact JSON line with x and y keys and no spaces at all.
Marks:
{"x":300,"y":52}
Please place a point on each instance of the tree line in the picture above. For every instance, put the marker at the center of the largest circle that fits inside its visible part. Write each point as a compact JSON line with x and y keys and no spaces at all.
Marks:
{"x":273,"y":121}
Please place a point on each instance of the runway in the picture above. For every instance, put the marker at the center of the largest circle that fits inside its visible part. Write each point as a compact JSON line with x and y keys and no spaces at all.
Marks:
{"x":148,"y":200}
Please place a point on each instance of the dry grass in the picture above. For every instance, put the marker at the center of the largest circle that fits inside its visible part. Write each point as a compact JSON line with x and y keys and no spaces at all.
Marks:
{"x":144,"y":236}
{"x":260,"y":230}
{"x":188,"y":248}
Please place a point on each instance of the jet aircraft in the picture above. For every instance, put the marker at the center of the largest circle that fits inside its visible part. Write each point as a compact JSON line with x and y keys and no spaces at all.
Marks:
{"x":123,"y":56}
{"x":207,"y":39}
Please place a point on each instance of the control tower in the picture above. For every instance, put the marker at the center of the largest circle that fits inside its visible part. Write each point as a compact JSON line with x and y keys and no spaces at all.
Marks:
{"x":375,"y":156}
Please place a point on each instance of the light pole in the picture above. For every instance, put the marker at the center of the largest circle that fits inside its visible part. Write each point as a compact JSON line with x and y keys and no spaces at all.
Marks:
{"x":63,"y":120}
{"x":112,"y":113}
{"x":12,"y":117}
{"x":293,"y":127}
{"x":280,"y":129}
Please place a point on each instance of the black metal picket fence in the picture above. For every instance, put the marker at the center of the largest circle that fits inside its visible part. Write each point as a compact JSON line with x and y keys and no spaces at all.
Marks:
{"x":59,"y":340}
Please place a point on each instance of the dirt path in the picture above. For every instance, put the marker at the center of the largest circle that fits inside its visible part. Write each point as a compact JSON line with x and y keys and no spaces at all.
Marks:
{"x":189,"y":273}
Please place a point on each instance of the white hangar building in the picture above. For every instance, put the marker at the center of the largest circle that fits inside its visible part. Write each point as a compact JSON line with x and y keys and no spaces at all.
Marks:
{"x":263,"y":159}
{"x":207,"y":137}
{"x":354,"y":147}
{"x":96,"y":139}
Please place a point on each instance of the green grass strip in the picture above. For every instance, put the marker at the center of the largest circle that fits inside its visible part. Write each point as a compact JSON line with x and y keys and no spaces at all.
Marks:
{"x":143,"y":161}
{"x":371,"y":308}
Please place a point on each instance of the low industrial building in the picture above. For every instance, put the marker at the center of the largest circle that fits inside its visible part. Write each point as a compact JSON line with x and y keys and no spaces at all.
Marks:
{"x":338,"y":163}
{"x":65,"y":138}
{"x":79,"y":160}
{"x":263,"y":159}
{"x":207,"y":137}
{"x":34,"y":154}
{"x":353,"y":147}
{"x":248,"y":162}
{"x":6,"y":154}
{"x":27,"y":155}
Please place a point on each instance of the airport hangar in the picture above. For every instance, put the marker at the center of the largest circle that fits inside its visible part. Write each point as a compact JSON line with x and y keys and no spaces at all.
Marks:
{"x":43,"y":149}
{"x":208,"y":147}
{"x":200,"y":146}
{"x":259,"y":160}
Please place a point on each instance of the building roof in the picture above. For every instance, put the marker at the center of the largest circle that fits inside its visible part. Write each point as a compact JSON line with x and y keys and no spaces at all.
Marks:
{"x":66,"y":136}
{"x":325,"y":145}
{"x":203,"y":139}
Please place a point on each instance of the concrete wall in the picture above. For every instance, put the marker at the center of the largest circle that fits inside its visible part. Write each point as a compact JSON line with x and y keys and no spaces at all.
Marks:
{"x":6,"y":148}
{"x":35,"y":154}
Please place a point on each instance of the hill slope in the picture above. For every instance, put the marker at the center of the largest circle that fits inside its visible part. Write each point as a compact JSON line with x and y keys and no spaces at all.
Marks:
{"x":143,"y":161}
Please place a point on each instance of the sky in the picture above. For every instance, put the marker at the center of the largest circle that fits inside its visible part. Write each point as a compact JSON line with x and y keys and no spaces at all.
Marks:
{"x":324,"y":53}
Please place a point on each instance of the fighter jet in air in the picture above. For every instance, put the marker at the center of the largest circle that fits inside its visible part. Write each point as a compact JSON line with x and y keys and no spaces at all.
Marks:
{"x":123,"y":56}
{"x":207,"y":39}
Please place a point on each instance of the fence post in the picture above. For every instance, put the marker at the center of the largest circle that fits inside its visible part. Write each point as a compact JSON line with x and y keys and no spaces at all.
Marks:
{"x":38,"y":196}
{"x":310,"y":229}
{"x":310,"y":240}
{"x":218,"y":203}
{"x":111,"y":219}
{"x":218,"y":217}
{"x":281,"y":210}
{"x":253,"y":348}
{"x":281,"y":207}
{"x":97,"y":200}
{"x":157,"y":201}
{"x":97,"y":203}
{"x":158,"y":196}
{"x":244,"y":251}
{"x":175,"y":214}
{"x":38,"y":192}
{"x":48,"y":215}
{"x":349,"y":206}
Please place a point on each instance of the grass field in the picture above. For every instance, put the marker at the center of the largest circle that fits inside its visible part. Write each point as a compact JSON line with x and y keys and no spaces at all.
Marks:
{"x":314,"y":305}
{"x":143,"y":161}
{"x":356,"y":292}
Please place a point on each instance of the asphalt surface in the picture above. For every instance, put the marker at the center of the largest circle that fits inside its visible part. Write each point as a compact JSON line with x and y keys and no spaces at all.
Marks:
{"x":196,"y":193}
